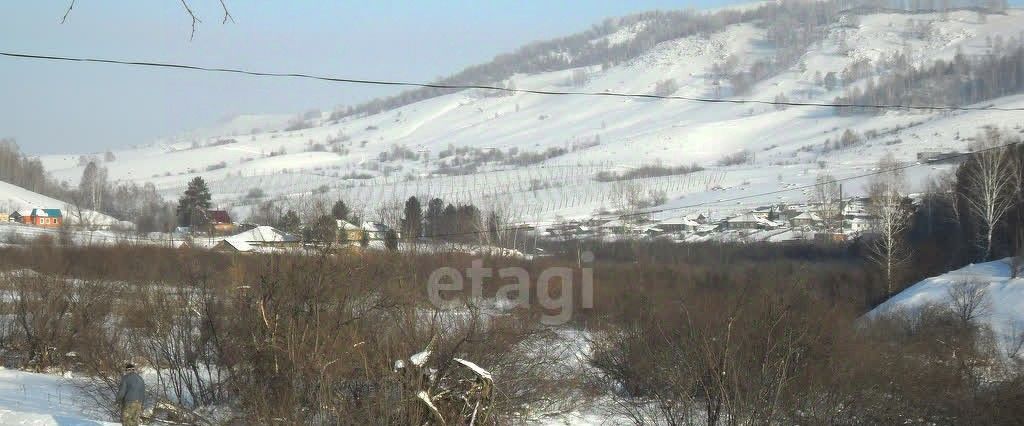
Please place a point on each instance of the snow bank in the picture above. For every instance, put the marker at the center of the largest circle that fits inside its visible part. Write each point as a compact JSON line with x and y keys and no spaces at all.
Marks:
{"x":43,"y":399}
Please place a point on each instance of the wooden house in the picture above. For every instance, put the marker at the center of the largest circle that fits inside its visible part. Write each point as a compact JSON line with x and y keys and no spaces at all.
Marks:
{"x":47,"y":218}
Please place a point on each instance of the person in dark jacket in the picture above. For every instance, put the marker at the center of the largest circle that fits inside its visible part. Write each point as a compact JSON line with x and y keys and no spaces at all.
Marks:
{"x":130,"y":395}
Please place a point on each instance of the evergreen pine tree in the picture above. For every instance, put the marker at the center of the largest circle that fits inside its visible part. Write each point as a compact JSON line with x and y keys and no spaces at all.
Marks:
{"x":340,"y":211}
{"x":412,"y":223}
{"x":193,"y":204}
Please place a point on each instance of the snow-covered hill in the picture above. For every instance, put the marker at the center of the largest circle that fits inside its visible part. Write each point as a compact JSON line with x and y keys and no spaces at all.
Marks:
{"x":586,"y":135}
{"x":17,"y":198}
{"x":1002,"y":306}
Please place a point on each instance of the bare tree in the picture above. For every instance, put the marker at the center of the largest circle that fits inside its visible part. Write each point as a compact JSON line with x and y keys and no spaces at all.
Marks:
{"x":969,"y":300}
{"x":628,"y":199}
{"x":184,"y":4}
{"x":891,"y":219}
{"x":991,"y":184}
{"x":390,"y":213}
{"x":827,"y":199}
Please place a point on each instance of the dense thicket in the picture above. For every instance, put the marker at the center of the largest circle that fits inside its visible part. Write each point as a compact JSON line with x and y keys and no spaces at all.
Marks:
{"x":678,"y":334}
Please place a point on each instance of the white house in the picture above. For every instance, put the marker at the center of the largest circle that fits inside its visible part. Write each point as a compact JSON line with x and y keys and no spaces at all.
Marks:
{"x":376,"y":230}
{"x":679,"y":224}
{"x":805,"y":219}
{"x":859,"y":224}
{"x":265,"y":236}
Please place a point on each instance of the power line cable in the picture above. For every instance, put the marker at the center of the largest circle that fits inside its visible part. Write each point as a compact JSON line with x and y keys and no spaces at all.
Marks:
{"x":561,"y":93}
{"x":457,"y":87}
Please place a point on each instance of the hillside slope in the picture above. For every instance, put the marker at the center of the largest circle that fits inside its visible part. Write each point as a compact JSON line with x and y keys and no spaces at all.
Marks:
{"x":1004,"y":296}
{"x":412,"y":150}
{"x":16,"y":198}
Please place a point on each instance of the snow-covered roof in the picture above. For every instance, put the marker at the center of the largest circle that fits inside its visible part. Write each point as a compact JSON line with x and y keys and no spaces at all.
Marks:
{"x":238,"y":245}
{"x":612,"y":224}
{"x":264,"y":234}
{"x":807,"y":216}
{"x":682,"y":220}
{"x":347,"y":226}
{"x":375,"y":227}
{"x":743,"y":218}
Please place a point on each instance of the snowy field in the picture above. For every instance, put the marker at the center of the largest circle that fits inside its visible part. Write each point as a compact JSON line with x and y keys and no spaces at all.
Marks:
{"x":43,"y":399}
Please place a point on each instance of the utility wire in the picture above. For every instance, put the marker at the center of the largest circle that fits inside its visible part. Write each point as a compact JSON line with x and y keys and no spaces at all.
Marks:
{"x":561,"y":93}
{"x":498,"y":88}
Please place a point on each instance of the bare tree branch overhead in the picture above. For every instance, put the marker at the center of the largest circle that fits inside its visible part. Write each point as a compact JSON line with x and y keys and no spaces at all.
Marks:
{"x":195,"y":19}
{"x":227,"y":17}
{"x":227,"y":14}
{"x":68,"y":11}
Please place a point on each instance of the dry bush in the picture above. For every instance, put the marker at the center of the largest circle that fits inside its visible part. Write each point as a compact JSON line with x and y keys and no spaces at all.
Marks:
{"x":702,"y":333}
{"x":718,"y":356}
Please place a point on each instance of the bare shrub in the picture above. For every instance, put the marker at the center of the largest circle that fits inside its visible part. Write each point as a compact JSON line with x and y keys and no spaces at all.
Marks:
{"x":745,"y":156}
{"x":666,"y":87}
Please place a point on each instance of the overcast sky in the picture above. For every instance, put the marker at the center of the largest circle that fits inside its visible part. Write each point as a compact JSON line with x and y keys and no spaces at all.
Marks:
{"x":67,"y":107}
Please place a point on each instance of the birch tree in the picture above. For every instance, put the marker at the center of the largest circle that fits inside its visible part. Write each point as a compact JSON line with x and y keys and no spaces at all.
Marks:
{"x":891,"y":219}
{"x":992,"y":181}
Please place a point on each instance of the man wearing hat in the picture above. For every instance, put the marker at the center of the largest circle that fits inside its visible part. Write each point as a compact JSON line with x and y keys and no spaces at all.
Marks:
{"x":130,"y":396}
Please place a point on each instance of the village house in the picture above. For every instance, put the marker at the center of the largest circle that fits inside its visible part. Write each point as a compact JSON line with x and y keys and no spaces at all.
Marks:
{"x":805,"y":219}
{"x":220,"y":221}
{"x":747,"y":221}
{"x":47,"y":218}
{"x":679,"y":224}
{"x":939,"y":156}
{"x":595,"y":222}
{"x":375,"y":231}
{"x":764,"y":212}
{"x":231,"y":245}
{"x":572,"y":229}
{"x":652,"y":231}
{"x":859,"y":225}
{"x":614,"y":227}
{"x":349,"y":232}
{"x":258,"y":238}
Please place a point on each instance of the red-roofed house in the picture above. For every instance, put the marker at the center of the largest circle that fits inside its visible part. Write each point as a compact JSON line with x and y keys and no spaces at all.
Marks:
{"x":220,"y":221}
